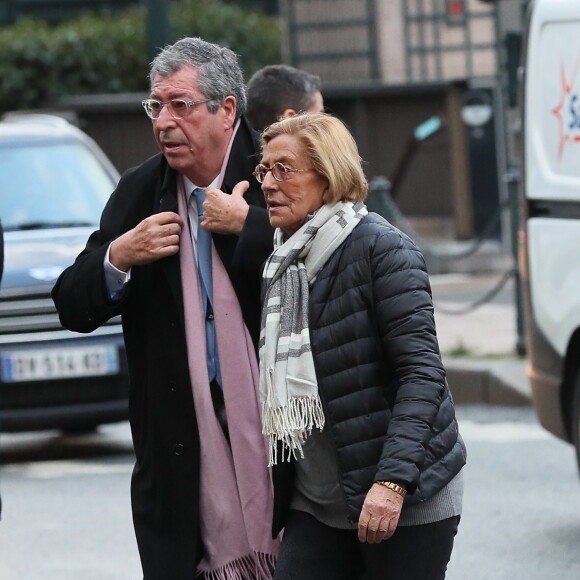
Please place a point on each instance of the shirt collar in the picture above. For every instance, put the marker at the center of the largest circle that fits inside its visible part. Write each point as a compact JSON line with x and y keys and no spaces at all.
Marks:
{"x":189,"y":186}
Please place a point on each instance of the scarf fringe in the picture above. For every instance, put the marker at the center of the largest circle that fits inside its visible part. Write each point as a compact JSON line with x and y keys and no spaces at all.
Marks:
{"x":290,"y":426}
{"x":254,"y":566}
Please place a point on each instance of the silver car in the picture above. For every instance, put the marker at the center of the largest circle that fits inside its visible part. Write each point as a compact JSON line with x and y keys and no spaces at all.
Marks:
{"x":54,"y":183}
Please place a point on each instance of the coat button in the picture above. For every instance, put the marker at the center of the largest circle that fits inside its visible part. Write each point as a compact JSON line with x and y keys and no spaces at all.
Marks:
{"x":173,"y":387}
{"x":179,"y":449}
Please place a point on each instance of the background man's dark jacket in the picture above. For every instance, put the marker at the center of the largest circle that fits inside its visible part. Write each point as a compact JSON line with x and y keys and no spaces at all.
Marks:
{"x":165,"y":483}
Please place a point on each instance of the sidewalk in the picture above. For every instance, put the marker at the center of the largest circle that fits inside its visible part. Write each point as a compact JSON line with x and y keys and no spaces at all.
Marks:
{"x":479,"y":347}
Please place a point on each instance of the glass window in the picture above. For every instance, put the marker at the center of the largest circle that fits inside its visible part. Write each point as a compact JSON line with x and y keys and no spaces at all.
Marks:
{"x":51,"y":185}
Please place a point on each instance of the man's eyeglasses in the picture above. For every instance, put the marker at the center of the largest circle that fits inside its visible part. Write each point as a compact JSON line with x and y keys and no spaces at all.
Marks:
{"x":280,"y":172}
{"x":178,"y":108}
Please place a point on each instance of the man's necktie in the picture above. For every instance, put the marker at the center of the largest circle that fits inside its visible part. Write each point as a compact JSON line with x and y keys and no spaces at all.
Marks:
{"x":203,"y":251}
{"x":205,"y":274}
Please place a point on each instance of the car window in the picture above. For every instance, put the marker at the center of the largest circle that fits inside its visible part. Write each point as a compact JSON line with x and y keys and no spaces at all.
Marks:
{"x":51,"y":185}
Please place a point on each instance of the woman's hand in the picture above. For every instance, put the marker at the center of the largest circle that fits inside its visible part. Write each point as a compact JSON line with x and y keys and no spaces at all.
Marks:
{"x":380,"y":514}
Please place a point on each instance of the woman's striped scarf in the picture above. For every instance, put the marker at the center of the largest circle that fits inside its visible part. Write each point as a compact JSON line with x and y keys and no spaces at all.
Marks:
{"x":289,"y":396}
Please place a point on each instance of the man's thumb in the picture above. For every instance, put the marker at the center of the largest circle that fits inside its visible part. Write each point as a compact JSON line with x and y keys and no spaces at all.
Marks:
{"x":241,"y":188}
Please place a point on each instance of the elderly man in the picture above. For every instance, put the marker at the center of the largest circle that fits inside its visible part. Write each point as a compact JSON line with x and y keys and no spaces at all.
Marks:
{"x":189,"y":301}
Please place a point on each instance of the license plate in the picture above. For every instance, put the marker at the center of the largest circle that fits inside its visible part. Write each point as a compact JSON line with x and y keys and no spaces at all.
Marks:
{"x":63,"y":363}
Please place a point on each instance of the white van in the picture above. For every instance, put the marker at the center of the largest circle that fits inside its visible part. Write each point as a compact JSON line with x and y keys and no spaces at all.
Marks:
{"x":550,"y":213}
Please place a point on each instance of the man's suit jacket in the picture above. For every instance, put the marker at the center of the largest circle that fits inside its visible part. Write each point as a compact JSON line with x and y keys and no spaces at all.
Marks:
{"x":165,"y":483}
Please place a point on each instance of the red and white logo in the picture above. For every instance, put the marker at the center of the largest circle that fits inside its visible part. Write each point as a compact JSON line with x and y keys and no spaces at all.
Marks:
{"x":567,"y":111}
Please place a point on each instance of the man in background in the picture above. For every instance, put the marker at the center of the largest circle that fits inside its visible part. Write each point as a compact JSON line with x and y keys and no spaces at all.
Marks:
{"x":274,"y":92}
{"x":278,"y":91}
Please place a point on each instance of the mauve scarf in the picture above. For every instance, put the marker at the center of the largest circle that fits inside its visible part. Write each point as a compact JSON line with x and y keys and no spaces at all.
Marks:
{"x":236,"y":499}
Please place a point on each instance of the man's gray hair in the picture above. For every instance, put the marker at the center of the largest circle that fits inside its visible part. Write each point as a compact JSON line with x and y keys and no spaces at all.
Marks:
{"x":220,"y":74}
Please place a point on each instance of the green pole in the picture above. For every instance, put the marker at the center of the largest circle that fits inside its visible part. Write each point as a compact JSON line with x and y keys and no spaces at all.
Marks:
{"x":157,"y":26}
{"x":513,"y":179}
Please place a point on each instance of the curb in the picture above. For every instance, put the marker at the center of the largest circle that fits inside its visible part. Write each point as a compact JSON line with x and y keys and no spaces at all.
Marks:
{"x":502,"y":382}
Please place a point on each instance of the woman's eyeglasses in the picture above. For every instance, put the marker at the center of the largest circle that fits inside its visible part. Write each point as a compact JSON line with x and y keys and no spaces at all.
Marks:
{"x":280,"y":172}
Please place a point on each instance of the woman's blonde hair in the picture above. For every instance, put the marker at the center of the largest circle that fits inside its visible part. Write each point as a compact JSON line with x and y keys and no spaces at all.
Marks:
{"x":331,"y":149}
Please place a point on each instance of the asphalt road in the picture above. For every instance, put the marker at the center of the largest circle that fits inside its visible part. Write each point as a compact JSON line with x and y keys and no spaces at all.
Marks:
{"x":66,"y":504}
{"x":66,"y":507}
{"x":521,"y":517}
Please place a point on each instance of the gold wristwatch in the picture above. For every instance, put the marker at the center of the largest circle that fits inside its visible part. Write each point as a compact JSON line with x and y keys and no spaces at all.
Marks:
{"x":394,"y":486}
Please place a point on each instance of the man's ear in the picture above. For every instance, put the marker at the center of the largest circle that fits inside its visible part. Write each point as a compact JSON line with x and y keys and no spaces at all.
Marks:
{"x":229,"y":106}
{"x":287,"y":113}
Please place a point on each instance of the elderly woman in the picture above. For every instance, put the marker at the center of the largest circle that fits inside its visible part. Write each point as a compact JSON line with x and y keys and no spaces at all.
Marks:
{"x":361,"y":424}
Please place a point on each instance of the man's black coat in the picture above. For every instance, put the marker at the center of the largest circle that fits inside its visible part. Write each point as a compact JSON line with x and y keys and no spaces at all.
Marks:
{"x":165,"y":483}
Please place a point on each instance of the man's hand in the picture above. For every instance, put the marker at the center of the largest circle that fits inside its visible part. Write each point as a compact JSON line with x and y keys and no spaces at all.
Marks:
{"x":154,"y":238}
{"x":380,"y":514}
{"x":223,"y":213}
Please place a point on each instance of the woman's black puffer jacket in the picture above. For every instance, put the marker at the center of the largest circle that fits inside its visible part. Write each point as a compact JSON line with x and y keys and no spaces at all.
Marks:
{"x":379,"y":369}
